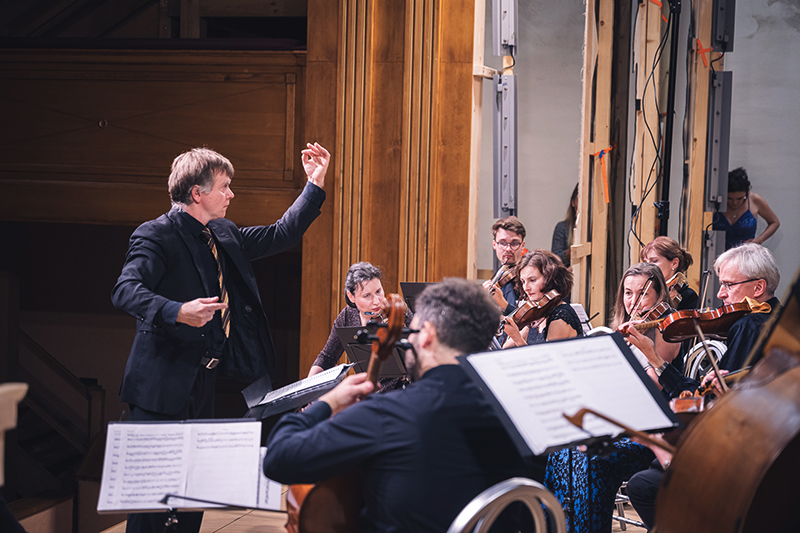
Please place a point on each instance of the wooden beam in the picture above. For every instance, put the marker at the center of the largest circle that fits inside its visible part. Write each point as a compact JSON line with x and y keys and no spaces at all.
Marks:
{"x":698,"y":219}
{"x":648,"y":131}
{"x":595,"y":136}
{"x":190,"y":19}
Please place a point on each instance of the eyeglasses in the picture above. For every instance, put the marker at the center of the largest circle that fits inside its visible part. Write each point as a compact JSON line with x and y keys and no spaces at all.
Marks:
{"x":728,"y":284}
{"x":510,"y":245}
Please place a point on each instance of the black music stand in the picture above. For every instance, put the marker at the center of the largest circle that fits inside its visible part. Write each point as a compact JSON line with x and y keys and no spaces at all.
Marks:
{"x":412,"y":289}
{"x":359,"y":354}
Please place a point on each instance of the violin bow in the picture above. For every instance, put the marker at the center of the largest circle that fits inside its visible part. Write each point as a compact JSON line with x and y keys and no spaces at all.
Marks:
{"x":639,"y":299}
{"x":710,"y":357}
{"x":577,"y":420}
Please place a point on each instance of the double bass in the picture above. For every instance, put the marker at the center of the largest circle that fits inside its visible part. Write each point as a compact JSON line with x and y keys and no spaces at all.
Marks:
{"x":333,"y":505}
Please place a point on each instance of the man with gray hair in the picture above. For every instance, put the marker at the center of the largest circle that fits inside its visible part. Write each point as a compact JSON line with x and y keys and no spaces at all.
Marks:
{"x":749,"y":271}
{"x":189,"y":282}
{"x":423,"y":452}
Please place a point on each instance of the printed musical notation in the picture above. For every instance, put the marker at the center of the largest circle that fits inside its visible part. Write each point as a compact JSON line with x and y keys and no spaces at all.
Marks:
{"x":215,"y":461}
{"x":536,"y":385}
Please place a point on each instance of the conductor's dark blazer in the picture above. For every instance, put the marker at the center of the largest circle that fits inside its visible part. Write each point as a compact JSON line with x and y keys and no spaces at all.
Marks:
{"x":163,"y":270}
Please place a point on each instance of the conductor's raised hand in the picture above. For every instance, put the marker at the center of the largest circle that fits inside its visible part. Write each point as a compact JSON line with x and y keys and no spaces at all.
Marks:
{"x":198,"y":312}
{"x":347,"y":392}
{"x":315,"y":163}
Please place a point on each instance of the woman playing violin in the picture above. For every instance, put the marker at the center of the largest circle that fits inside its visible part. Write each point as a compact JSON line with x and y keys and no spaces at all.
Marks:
{"x":673,"y":261}
{"x":642,"y":289}
{"x":539,"y":272}
{"x":567,"y":474}
{"x":363,"y":293}
{"x":749,"y":271}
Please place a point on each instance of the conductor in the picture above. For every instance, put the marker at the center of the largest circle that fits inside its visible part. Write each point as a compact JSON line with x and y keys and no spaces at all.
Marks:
{"x":189,"y":282}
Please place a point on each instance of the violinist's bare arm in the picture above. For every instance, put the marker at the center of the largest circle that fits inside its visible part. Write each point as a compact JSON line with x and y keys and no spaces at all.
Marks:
{"x":347,"y":392}
{"x":515,"y":336}
{"x":666,"y":350}
{"x":559,"y":329}
{"x":645,"y":344}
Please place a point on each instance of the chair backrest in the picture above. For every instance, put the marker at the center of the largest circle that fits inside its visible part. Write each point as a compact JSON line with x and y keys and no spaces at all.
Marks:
{"x":479,"y":514}
{"x":696,"y":365}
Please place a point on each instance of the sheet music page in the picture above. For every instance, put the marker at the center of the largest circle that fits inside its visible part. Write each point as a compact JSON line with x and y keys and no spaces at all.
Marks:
{"x":583,"y":317}
{"x":269,"y":492}
{"x":326,"y":376}
{"x":537,"y":384}
{"x":143,"y":462}
{"x":223,"y":464}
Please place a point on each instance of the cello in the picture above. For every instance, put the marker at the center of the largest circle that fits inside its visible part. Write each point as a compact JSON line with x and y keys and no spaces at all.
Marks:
{"x":736,"y":467}
{"x":333,"y":505}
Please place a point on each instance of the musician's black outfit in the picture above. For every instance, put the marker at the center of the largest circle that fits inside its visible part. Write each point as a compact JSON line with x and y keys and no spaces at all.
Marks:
{"x":422,"y":453}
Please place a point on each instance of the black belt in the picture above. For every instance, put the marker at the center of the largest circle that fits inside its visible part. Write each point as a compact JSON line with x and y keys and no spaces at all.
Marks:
{"x":209,"y":362}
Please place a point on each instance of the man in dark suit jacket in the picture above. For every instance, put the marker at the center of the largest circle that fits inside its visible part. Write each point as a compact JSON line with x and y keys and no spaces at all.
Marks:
{"x":189,"y":282}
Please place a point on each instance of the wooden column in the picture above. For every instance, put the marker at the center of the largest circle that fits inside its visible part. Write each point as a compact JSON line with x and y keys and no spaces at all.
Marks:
{"x":319,"y":290}
{"x":591,"y":247}
{"x":698,"y":218}
{"x":648,"y":141}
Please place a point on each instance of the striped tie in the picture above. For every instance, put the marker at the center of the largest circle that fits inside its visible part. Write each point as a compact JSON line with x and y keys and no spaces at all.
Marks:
{"x":223,"y":292}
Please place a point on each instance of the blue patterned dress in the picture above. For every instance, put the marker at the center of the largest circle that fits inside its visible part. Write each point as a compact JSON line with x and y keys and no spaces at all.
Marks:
{"x":608,"y":471}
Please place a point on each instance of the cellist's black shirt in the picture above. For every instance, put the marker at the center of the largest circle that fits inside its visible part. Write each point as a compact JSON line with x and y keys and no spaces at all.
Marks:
{"x":423,"y":453}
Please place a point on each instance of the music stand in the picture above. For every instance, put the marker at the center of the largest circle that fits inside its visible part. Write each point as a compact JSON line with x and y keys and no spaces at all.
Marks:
{"x":359,"y":354}
{"x":412,"y":289}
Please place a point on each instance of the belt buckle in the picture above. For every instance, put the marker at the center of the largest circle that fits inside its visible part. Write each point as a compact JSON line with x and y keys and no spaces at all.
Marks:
{"x":212,"y":363}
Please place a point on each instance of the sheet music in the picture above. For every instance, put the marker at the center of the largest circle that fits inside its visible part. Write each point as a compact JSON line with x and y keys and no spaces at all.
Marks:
{"x":583,"y":317}
{"x":537,"y":384}
{"x":326,"y":376}
{"x":217,"y":461}
{"x":143,"y":462}
{"x":224,"y":462}
{"x":269,"y":492}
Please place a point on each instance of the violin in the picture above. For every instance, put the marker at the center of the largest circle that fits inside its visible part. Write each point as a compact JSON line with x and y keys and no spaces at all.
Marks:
{"x":675,"y":285}
{"x":679,"y":326}
{"x":505,"y":274}
{"x":333,"y":505}
{"x":652,"y":318}
{"x":528,"y":311}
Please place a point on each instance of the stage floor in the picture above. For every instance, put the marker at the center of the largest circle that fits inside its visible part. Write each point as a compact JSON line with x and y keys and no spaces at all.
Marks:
{"x":274,"y":522}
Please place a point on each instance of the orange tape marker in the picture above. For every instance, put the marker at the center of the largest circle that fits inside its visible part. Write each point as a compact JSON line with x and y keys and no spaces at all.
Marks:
{"x":601,"y":153}
{"x":702,"y":51}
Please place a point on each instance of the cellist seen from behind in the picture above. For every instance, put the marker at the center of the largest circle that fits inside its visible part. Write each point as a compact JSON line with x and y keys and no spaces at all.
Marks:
{"x":422,"y":453}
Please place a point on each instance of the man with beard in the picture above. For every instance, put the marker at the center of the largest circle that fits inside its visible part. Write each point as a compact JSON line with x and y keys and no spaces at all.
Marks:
{"x":423,"y":452}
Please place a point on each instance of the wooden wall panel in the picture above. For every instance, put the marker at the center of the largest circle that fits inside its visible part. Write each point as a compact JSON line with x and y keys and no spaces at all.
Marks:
{"x":114,"y":120}
{"x":403,"y":151}
{"x":321,"y":284}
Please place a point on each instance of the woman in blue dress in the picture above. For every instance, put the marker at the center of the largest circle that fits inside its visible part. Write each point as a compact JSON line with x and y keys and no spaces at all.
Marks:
{"x":641,"y":288}
{"x":740,"y":220}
